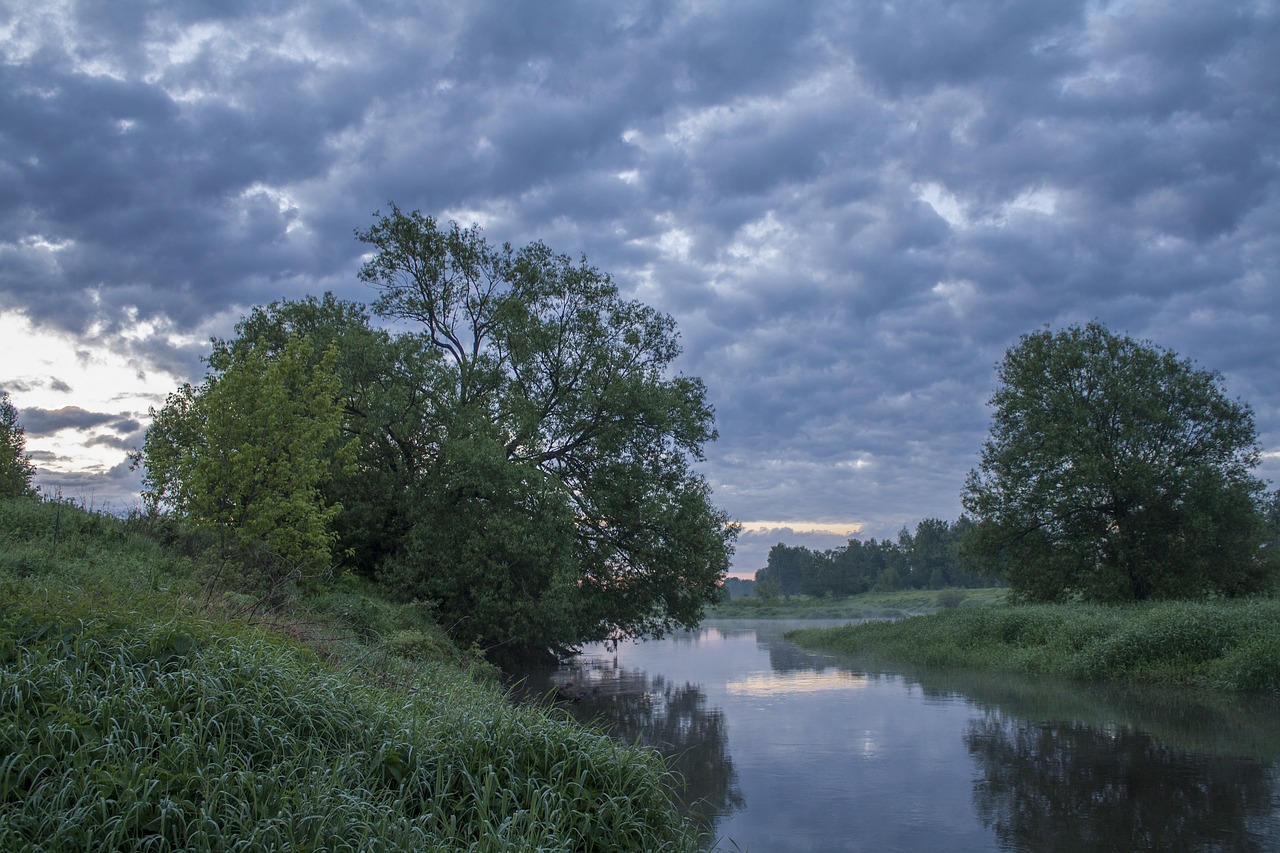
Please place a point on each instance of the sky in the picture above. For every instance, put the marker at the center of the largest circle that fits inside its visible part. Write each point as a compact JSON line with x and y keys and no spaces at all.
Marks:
{"x":851,"y":209}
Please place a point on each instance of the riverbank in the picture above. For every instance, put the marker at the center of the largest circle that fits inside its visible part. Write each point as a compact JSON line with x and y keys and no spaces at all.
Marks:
{"x":868,"y":605}
{"x":139,"y":709}
{"x":1222,"y":645}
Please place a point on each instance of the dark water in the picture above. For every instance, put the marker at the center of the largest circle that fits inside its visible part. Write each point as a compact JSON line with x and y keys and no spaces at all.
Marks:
{"x":784,"y":749}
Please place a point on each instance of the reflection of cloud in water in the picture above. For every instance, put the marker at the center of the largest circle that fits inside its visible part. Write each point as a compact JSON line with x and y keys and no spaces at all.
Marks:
{"x":795,"y":682}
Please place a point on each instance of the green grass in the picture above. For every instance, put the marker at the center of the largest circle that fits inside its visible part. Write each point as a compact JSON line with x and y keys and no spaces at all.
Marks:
{"x":870,"y":605}
{"x":137,"y":713}
{"x":1220,"y":644}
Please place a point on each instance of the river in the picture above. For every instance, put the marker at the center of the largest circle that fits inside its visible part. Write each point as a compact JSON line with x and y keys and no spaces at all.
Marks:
{"x":787,"y":749}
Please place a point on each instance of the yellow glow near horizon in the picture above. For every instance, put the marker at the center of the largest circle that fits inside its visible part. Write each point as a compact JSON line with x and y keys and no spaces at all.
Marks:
{"x":840,"y":528}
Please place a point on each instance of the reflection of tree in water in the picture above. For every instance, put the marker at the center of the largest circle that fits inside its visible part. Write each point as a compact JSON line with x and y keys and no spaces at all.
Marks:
{"x":785,"y":657}
{"x":1074,"y":787}
{"x":674,"y":720}
{"x":677,"y":722}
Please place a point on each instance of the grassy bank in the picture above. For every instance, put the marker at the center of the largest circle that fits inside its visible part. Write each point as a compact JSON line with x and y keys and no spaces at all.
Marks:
{"x":1225,"y":645}
{"x":869,"y":605}
{"x":139,"y":712}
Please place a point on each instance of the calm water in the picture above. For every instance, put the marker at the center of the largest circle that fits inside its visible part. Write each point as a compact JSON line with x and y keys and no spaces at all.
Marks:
{"x":785,"y":749}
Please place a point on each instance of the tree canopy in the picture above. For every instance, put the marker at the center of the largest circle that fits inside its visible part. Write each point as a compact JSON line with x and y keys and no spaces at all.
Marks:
{"x":519,"y":454}
{"x":1114,"y":471}
{"x":16,"y":469}
{"x":386,"y":421}
{"x":561,"y":464}
{"x":241,"y":455}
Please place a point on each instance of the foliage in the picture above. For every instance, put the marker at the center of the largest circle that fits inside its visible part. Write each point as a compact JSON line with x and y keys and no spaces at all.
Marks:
{"x":1271,"y":516}
{"x":130,"y":721}
{"x":244,"y":455}
{"x":1115,"y":471}
{"x":385,"y":419}
{"x":16,"y":469}
{"x":929,"y":559}
{"x":787,"y":567}
{"x":556,"y":502}
{"x":521,"y":459}
{"x":1222,"y":644}
{"x":495,"y":548}
{"x":738,"y":588}
{"x":865,"y":605}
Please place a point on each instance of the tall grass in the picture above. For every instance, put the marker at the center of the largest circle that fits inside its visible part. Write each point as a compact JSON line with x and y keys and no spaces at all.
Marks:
{"x":132,"y":718}
{"x":867,"y":605}
{"x":1220,"y":644}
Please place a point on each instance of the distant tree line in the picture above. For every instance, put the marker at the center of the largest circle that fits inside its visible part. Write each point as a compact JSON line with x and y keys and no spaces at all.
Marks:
{"x":929,"y":558}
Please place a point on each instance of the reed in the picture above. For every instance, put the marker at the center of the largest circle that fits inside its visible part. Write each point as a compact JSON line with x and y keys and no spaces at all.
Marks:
{"x":867,"y":605}
{"x":1219,"y":644}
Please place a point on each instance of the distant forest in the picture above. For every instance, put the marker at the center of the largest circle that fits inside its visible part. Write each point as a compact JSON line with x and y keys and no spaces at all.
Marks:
{"x":927,"y":559}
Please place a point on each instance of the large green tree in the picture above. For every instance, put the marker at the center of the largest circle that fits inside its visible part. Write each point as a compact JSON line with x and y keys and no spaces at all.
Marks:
{"x":244,"y":455}
{"x":561,"y":475}
{"x":1115,"y":471}
{"x":16,"y":469}
{"x":432,"y":507}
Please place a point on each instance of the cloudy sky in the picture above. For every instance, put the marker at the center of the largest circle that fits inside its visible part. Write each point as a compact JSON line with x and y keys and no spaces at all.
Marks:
{"x":851,"y":209}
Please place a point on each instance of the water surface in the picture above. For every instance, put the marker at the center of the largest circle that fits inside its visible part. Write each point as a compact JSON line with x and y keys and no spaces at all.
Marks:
{"x":786,"y":749}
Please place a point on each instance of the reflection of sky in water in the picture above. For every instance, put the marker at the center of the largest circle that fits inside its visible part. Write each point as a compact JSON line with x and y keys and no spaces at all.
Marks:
{"x":796,"y":682}
{"x":806,"y":753}
{"x":826,"y":758}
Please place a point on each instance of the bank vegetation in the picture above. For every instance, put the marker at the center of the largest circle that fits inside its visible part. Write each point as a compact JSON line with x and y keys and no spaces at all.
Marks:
{"x":1116,"y":497}
{"x":1223,"y":644}
{"x":143,"y":708}
{"x":868,"y":605}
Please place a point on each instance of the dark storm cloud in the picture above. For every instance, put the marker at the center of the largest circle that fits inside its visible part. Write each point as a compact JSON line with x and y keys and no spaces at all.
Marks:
{"x":29,"y":383}
{"x":114,"y":490}
{"x":851,"y":209}
{"x":128,"y":436}
{"x":37,"y":421}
